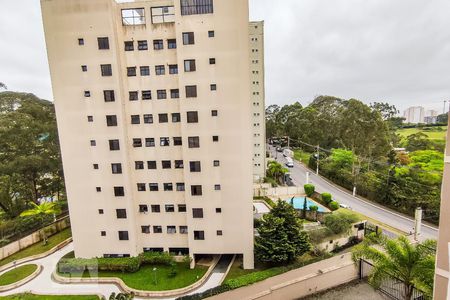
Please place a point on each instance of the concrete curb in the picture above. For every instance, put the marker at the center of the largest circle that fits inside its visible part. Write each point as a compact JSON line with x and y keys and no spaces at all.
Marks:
{"x":37,"y":256}
{"x":23,"y":281}
{"x":140,"y":293}
{"x":227,"y":270}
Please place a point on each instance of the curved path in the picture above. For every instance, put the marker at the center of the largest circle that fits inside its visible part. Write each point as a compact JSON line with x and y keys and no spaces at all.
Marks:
{"x":43,"y":283}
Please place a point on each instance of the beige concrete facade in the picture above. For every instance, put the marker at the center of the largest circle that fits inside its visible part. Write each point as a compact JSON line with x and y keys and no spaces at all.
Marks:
{"x":442,"y":278}
{"x":110,"y":212}
{"x":257,"y":90}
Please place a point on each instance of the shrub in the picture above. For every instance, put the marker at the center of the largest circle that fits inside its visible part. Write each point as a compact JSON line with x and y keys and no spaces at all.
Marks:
{"x":309,"y":189}
{"x":339,"y":222}
{"x":156,"y":258}
{"x":313,"y":208}
{"x":333,"y":205}
{"x":326,"y":197}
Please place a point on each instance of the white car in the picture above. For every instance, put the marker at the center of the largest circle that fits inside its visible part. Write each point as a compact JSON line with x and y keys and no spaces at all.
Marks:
{"x":344,"y":206}
{"x":289,"y":162}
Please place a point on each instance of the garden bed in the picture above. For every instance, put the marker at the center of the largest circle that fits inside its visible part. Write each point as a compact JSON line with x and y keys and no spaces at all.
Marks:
{"x":28,"y":296}
{"x":17,"y":274}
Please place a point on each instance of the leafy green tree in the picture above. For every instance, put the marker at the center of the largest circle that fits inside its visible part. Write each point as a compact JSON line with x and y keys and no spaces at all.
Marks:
{"x":386,"y":110}
{"x":340,"y":222}
{"x":281,"y":237}
{"x":418,"y":141}
{"x":41,"y":211}
{"x":276,"y":171}
{"x":443,"y":118}
{"x":3,"y":86}
{"x":413,"y":264}
{"x":309,"y":189}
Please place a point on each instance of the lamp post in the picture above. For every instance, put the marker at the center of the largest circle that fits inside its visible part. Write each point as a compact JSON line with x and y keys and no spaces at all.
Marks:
{"x":154,"y":276}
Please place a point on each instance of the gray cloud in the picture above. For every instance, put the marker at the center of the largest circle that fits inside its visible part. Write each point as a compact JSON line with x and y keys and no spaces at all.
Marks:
{"x":374,"y":50}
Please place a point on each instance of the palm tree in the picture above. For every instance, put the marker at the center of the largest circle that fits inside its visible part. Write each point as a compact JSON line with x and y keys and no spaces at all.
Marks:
{"x":40,"y":211}
{"x":276,"y":171}
{"x":413,"y":264}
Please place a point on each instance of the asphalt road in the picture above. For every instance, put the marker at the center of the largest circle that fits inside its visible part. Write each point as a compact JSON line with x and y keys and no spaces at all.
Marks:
{"x":374,"y":211}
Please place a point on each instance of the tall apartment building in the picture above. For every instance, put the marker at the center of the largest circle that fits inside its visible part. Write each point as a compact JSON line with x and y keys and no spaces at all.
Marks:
{"x":257,"y":90}
{"x":155,"y":124}
{"x":414,"y":114}
{"x":442,"y":278}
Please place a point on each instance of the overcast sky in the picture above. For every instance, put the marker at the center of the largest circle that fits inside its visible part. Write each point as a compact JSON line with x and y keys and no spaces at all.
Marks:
{"x":396,"y":51}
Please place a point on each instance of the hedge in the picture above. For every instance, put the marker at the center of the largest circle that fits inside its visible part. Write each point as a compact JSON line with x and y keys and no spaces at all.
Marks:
{"x":309,"y":189}
{"x":333,"y":205}
{"x":326,"y":197}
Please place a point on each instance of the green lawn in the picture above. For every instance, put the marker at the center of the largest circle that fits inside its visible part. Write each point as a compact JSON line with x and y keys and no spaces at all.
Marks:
{"x":17,"y":274}
{"x":302,"y":156}
{"x":236,"y":270}
{"x":432,"y":134}
{"x":47,"y":297}
{"x":39,"y":247}
{"x":144,"y":279}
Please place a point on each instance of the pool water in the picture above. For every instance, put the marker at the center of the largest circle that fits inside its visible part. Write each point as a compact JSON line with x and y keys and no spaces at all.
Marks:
{"x":298,"y":203}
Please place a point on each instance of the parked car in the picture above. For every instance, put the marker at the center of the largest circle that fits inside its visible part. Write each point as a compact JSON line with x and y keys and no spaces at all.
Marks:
{"x":289,"y":162}
{"x":344,"y":206}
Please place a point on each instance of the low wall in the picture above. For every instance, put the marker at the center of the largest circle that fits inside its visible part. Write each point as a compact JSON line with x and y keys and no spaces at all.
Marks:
{"x":314,"y":216}
{"x":261,"y":190}
{"x":33,"y":238}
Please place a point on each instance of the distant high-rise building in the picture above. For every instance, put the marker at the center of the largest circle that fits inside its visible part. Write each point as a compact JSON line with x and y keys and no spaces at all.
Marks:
{"x":414,"y":114}
{"x":430,"y":116}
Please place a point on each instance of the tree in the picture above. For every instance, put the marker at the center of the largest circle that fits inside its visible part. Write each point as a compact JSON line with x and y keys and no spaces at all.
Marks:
{"x":40,"y":211}
{"x":314,"y":209}
{"x":412,"y":264}
{"x":386,"y":110}
{"x":340,"y":222}
{"x":418,"y":141}
{"x":443,"y":118}
{"x":121,"y":296}
{"x":3,"y":86}
{"x":281,"y":237}
{"x":276,"y":171}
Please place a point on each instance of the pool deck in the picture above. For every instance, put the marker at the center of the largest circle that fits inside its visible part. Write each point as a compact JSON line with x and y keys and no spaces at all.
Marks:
{"x":325,"y":209}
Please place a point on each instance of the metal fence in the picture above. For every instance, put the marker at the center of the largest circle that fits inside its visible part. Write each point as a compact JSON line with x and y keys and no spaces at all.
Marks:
{"x":392,"y":287}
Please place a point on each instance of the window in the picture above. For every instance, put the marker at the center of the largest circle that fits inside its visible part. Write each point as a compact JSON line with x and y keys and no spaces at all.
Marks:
{"x":180,"y":187}
{"x":177,"y":141}
{"x":196,"y":7}
{"x":197,"y":213}
{"x":133,"y":96}
{"x":153,"y":187}
{"x":199,"y":235}
{"x":163,"y":14}
{"x":179,"y":164}
{"x":194,"y":142}
{"x":141,"y":187}
{"x":81,"y":42}
{"x":156,"y":208}
{"x":151,"y":164}
{"x":84,"y":68}
{"x":131,"y":71}
{"x":106,"y":70}
{"x":219,"y":232}
{"x":172,"y":43}
{"x":218,"y":210}
{"x":188,"y":38}
{"x":108,"y":95}
{"x":215,"y":138}
{"x":143,"y":208}
{"x":183,"y":229}
{"x":191,"y":91}
{"x":116,"y":168}
{"x":119,"y":191}
{"x":121,"y":213}
{"x":145,"y":229}
{"x":148,"y":119}
{"x":87,"y":93}
{"x":98,"y":189}
{"x":93,"y":143}
{"x":176,"y":117}
{"x":213,"y":87}
{"x":146,"y":95}
{"x":216,"y":163}
{"x":142,"y":45}
{"x":196,"y":190}
{"x":192,"y":117}
{"x":133,"y":16}
{"x":217,"y":187}
{"x":157,"y":229}
{"x":195,"y":166}
{"x":95,"y":166}
{"x":214,"y":113}
{"x":175,"y":93}
{"x":129,"y":46}
{"x":123,"y":235}
{"x":170,"y":208}
{"x":144,"y":70}
{"x":166,"y":164}
{"x":139,"y":165}
{"x":163,"y":118}
{"x":111,"y":120}
{"x":173,"y":69}
{"x":149,"y":142}
{"x":171,"y":229}
{"x":103,"y":43}
{"x":168,"y":187}
{"x":158,"y":44}
{"x":189,"y":65}
{"x":160,"y":70}
{"x":211,"y":33}
{"x":103,"y":233}
{"x":181,"y":207}
{"x":90,"y":118}
{"x":161,"y":94}
{"x":212,"y":61}
{"x":135,"y":119}
{"x":137,"y":142}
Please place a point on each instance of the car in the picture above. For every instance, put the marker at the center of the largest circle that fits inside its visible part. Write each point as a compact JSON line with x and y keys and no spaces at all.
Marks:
{"x":279,"y":149}
{"x":289,"y":162}
{"x":344,"y":206}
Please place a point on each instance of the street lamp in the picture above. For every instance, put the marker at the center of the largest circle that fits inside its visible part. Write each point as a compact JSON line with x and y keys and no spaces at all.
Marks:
{"x":154,"y":276}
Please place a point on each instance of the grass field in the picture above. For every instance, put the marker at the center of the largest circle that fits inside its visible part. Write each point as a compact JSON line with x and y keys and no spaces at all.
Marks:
{"x":17,"y":274}
{"x":47,"y":297}
{"x":148,"y":280}
{"x":39,"y":247}
{"x":437,"y":133}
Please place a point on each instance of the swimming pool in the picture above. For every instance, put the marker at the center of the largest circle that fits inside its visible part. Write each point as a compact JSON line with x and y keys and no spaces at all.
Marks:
{"x":298,"y":203}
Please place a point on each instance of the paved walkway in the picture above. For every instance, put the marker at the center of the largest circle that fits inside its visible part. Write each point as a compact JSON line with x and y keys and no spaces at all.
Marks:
{"x":43,"y":283}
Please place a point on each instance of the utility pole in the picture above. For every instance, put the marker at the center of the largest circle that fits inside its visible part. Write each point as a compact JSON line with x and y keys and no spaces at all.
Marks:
{"x":445,"y":102}
{"x":307,"y":177}
{"x":418,"y":223}
{"x":317,"y":160}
